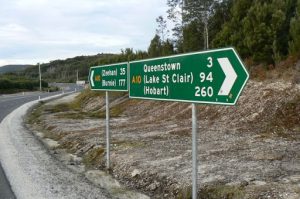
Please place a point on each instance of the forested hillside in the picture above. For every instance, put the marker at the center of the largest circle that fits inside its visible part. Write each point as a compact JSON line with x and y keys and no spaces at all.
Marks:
{"x":12,"y":68}
{"x":264,"y":33}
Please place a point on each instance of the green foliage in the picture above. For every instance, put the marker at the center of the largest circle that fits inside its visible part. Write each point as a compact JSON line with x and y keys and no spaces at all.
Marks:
{"x":220,"y":15}
{"x":232,"y":33}
{"x":192,"y":38}
{"x":66,"y":70}
{"x":154,"y":49}
{"x":223,"y":191}
{"x":162,"y":27}
{"x":294,"y":44}
{"x":167,"y":48}
{"x":259,"y":29}
{"x":10,"y":83}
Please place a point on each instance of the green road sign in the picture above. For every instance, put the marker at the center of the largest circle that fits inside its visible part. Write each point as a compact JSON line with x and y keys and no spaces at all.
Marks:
{"x":212,"y":77}
{"x":109,"y":77}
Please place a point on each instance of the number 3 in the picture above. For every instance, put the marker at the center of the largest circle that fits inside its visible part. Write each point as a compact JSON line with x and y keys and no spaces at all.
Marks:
{"x":210,"y":63}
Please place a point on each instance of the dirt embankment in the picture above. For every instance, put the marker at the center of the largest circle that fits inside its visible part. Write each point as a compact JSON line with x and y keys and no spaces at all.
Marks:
{"x":250,"y":150}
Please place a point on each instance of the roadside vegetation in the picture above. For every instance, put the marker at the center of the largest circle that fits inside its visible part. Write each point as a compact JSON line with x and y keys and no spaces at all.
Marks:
{"x":11,"y":83}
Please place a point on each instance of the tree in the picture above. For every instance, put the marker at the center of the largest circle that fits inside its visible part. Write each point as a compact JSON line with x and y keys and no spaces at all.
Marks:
{"x":155,"y":47}
{"x":127,"y":54}
{"x":200,"y":11}
{"x":162,"y":28}
{"x":219,"y":16}
{"x":261,"y":25}
{"x":232,"y":33}
{"x":294,"y":44}
{"x":192,"y":37}
{"x":167,"y":48}
{"x":175,"y":13}
{"x":141,"y":54}
{"x":283,"y":34}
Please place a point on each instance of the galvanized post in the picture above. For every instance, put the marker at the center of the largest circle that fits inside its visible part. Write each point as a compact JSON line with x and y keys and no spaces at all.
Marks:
{"x":107,"y":133}
{"x":194,"y":150}
{"x":40,"y":77}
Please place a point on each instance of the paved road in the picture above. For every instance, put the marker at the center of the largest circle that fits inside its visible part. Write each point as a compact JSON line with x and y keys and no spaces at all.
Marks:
{"x":7,"y":104}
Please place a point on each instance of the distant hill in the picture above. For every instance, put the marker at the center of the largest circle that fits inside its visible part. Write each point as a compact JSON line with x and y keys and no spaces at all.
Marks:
{"x":66,"y":70}
{"x":13,"y":68}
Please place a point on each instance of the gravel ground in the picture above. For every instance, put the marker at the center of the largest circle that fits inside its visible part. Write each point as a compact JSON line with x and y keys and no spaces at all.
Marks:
{"x":246,"y":151}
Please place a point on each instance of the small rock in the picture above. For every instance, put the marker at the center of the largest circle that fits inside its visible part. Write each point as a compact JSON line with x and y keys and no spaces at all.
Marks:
{"x":295,"y":178}
{"x":153,"y":186}
{"x":135,"y":173}
{"x":259,"y":183}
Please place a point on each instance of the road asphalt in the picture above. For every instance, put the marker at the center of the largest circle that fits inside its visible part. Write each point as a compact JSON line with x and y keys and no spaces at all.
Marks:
{"x":7,"y":104}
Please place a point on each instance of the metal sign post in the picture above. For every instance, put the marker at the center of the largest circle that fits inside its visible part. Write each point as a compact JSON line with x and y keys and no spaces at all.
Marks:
{"x":40,"y":77}
{"x":107,"y":132}
{"x":194,"y":150}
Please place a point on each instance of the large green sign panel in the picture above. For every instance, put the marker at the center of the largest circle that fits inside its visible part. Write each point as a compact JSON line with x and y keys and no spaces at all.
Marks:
{"x":109,"y":77}
{"x":212,"y":77}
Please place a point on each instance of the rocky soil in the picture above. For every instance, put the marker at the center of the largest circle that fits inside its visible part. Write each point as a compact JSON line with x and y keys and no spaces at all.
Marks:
{"x":250,"y":150}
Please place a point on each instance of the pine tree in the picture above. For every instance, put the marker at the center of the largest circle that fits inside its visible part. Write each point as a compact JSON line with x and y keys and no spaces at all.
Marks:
{"x":155,"y":47}
{"x":167,"y":48}
{"x":294,"y":44}
{"x":200,"y":11}
{"x":175,"y":14}
{"x":162,"y":28}
{"x":232,"y":33}
{"x":192,"y":37}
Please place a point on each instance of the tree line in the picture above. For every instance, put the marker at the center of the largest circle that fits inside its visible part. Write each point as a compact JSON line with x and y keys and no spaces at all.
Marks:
{"x":265,"y":31}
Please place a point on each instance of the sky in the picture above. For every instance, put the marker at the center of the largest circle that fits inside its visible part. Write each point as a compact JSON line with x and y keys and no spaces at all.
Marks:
{"x":33,"y":31}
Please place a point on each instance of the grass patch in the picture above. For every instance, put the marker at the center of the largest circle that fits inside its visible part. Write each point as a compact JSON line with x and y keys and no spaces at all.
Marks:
{"x":69,"y":146}
{"x":123,"y":144}
{"x":72,"y":115}
{"x":286,"y":121}
{"x":93,"y":157}
{"x":33,"y":116}
{"x":63,"y":107}
{"x":87,"y":94}
{"x":74,"y":109}
{"x":222,"y":192}
{"x":185,"y":193}
{"x":53,"y":136}
{"x":181,"y":133}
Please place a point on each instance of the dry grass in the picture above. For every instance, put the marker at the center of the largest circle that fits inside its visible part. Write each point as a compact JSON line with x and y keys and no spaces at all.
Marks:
{"x":285,"y":70}
{"x":222,"y":192}
{"x":286,"y":120}
{"x":93,"y":157}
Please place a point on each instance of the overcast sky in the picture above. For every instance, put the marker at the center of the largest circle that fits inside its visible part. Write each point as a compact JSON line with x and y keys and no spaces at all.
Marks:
{"x":34,"y":31}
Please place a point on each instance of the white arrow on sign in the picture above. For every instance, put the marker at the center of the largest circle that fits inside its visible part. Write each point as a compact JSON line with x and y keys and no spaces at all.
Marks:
{"x":230,"y":76}
{"x":91,"y":79}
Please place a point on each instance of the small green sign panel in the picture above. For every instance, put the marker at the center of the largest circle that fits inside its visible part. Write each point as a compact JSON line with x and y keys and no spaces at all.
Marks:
{"x":109,"y":77}
{"x":211,"y":77}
